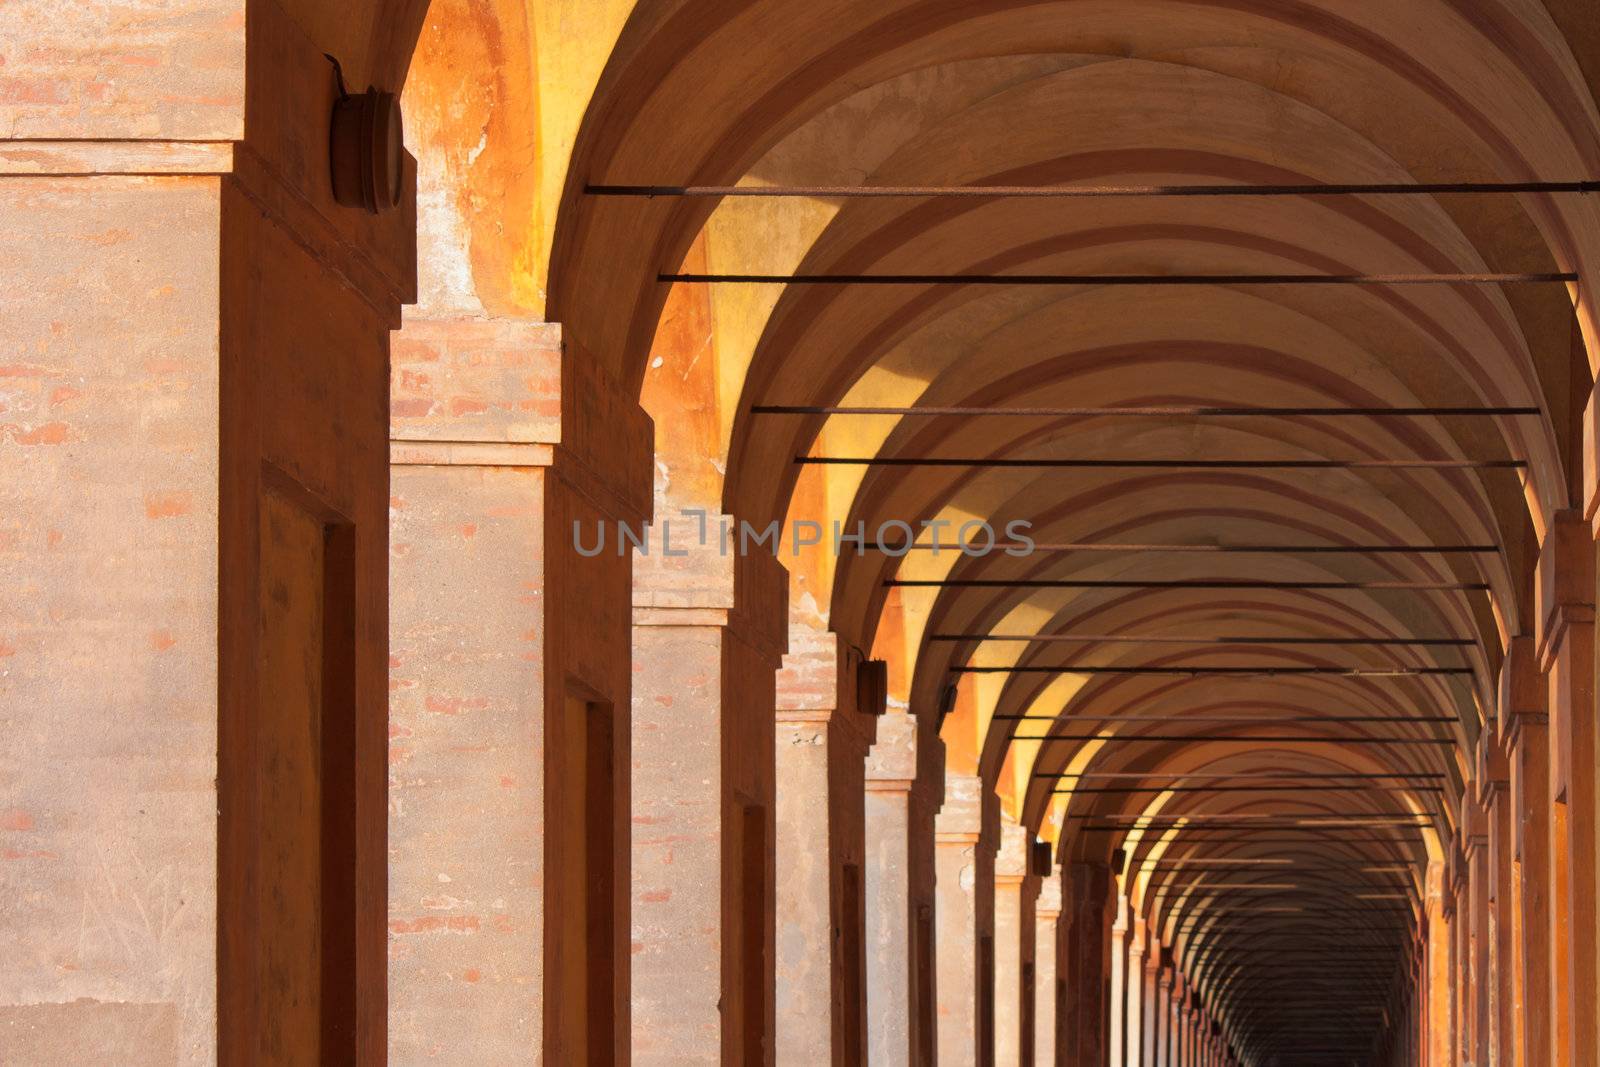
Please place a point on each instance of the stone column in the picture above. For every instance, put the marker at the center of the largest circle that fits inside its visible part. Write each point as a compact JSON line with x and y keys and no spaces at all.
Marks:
{"x":509,"y":713}
{"x":1179,"y":1020}
{"x":1523,"y":724}
{"x":891,"y":771}
{"x":1565,"y":615}
{"x":1136,"y":1003}
{"x":1494,"y":775}
{"x":193,"y":595}
{"x":1437,"y":940}
{"x":1010,"y":875}
{"x":1088,"y":947}
{"x":1047,"y":946}
{"x":1150,"y":1010}
{"x":1459,"y":915}
{"x":1186,"y":1030}
{"x":708,"y":637}
{"x":1164,"y":1003}
{"x":821,"y":747}
{"x":963,"y":865}
{"x":1118,"y":1043}
{"x":1475,"y":845}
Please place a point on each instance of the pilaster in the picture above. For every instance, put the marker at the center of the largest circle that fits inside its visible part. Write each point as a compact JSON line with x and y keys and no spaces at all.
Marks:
{"x":1565,"y":613}
{"x":1046,"y":955}
{"x":896,"y":989}
{"x":1524,"y":725}
{"x":1010,"y":931}
{"x":195,"y":467}
{"x":964,"y":854}
{"x":822,"y":738}
{"x":709,"y":631}
{"x":508,"y":662}
{"x":1494,"y":794}
{"x":1088,"y":947}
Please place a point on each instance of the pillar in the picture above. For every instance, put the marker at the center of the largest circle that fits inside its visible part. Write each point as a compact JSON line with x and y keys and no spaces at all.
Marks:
{"x":1458,"y":913}
{"x":1165,"y":1008}
{"x":1524,"y":725}
{"x":1475,"y":909}
{"x":820,"y":752}
{"x":1136,"y":1002}
{"x":1118,"y":1042}
{"x":708,"y":636}
{"x":1010,"y":878}
{"x":1088,"y":950}
{"x":964,"y":860}
{"x":1179,"y":1020}
{"x":1439,"y":1020}
{"x":891,"y":920}
{"x":1046,"y":942}
{"x":509,"y":707}
{"x":193,"y":591}
{"x":1565,"y":615}
{"x":1150,"y":1011}
{"x":1494,"y":774}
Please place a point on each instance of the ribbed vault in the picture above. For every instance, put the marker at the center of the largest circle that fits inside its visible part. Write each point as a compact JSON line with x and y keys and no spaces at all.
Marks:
{"x":1268,"y":747}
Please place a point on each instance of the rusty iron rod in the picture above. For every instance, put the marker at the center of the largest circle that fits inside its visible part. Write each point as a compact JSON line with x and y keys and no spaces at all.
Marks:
{"x":1138,"y":639}
{"x":1251,"y":738}
{"x":1443,"y":278}
{"x":1168,"y":464}
{"x":998,"y":192}
{"x":1185,"y":583}
{"x":1149,"y":411}
{"x":1336,"y":818}
{"x":1044,"y":546}
{"x":1341,"y":672}
{"x":1333,"y":776}
{"x":1238,"y":720}
{"x":1286,"y":787}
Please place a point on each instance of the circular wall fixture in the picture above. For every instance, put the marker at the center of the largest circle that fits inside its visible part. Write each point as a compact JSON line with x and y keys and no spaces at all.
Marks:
{"x":367,"y":151}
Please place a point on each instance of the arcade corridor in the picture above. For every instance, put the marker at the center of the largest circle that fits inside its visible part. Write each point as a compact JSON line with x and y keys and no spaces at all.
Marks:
{"x":1020,"y":533}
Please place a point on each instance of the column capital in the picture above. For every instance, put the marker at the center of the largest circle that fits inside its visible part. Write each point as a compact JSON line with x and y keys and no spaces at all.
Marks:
{"x":1011,"y":859}
{"x":1141,"y":936}
{"x":515,"y":393}
{"x":1049,"y":904}
{"x":960,"y":818}
{"x":1472,"y":826}
{"x":1523,"y":693}
{"x":892,"y":760}
{"x":1493,"y":767}
{"x":1564,"y":582}
{"x":686,"y":579}
{"x":818,"y":684}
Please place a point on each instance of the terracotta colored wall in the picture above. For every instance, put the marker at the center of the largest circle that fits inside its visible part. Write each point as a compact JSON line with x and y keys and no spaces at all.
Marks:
{"x":108,"y":611}
{"x":498,"y":622}
{"x":183,"y":341}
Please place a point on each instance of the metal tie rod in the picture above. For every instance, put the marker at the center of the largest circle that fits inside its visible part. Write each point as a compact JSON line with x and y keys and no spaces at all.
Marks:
{"x":1150,"y":412}
{"x":1481,"y":278}
{"x":871,"y":192}
{"x":1269,"y":818}
{"x":1129,"y":790}
{"x":1166,"y":464}
{"x":1266,"y":672}
{"x":1242,"y":720}
{"x":1299,"y":776}
{"x":1138,"y":639}
{"x":1043,"y":546}
{"x":1249,"y":738}
{"x":1063,"y":583}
